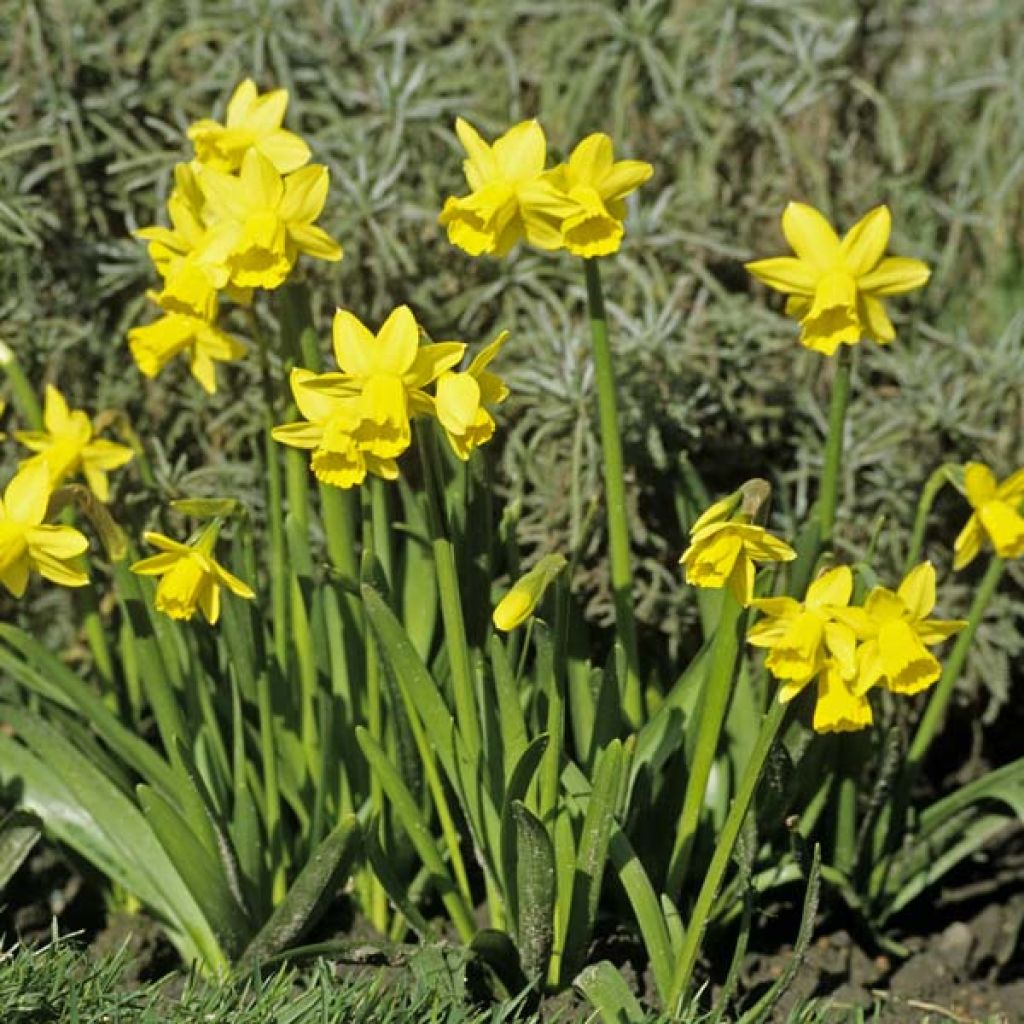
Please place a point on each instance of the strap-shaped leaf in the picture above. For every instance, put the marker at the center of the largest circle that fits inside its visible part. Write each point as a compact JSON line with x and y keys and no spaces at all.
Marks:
{"x":201,"y":871}
{"x":606,"y":990}
{"x":591,"y":856}
{"x":419,"y":832}
{"x":19,"y":833}
{"x":80,"y":807}
{"x":519,"y":783}
{"x":310,"y":893}
{"x":41,"y":671}
{"x":533,"y":869}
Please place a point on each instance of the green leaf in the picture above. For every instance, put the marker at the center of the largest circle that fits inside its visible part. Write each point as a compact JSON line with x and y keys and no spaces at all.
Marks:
{"x":510,"y":711}
{"x":534,"y":881}
{"x":80,"y":807}
{"x":519,"y":783}
{"x":19,"y":833}
{"x":606,"y":990}
{"x":200,"y":870}
{"x":419,"y":832}
{"x":762,"y":1008}
{"x":497,"y":950}
{"x":310,"y":893}
{"x":591,"y":856}
{"x":46,"y":675}
{"x":397,"y":891}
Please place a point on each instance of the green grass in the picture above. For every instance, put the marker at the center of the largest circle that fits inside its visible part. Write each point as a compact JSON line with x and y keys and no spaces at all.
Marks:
{"x":62,"y":984}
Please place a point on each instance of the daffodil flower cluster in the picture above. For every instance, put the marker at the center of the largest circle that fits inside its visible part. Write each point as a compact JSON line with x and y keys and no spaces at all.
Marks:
{"x":240,"y":215}
{"x":850,"y":650}
{"x":358,"y":420}
{"x":836,"y":286}
{"x":578,"y":205}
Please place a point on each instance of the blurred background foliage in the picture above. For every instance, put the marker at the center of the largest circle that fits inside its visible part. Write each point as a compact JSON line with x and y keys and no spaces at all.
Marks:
{"x":740,"y":105}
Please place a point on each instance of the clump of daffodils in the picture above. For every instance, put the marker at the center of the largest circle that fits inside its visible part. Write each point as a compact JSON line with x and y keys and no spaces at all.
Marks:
{"x":358,"y":420}
{"x":836,"y":287}
{"x":241,"y":213}
{"x":848,"y":650}
{"x":578,"y":205}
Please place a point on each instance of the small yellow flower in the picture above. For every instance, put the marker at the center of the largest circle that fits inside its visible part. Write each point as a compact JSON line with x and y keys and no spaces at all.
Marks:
{"x":895,"y":633}
{"x":262,"y":221}
{"x":68,"y":446}
{"x":26,"y":543}
{"x":253,"y":122}
{"x":839,"y":707}
{"x":330,"y":429}
{"x":723,"y":552}
{"x":461,"y":400}
{"x":181,"y":331}
{"x":996,"y":515}
{"x":597,"y":185}
{"x":512,"y":197}
{"x":802,"y":635}
{"x":190,"y":258}
{"x":525,"y":594}
{"x":836,"y":286}
{"x":191,"y":578}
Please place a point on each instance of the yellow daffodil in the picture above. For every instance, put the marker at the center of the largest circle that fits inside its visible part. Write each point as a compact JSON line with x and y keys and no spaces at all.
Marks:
{"x":358,"y":420}
{"x":190,"y":258}
{"x":836,"y":286}
{"x":390,"y":370}
{"x":895,"y":633}
{"x":263,"y":221}
{"x":181,"y":331}
{"x":597,"y":185}
{"x":805,"y":641}
{"x":723,"y":552}
{"x":800,"y":636}
{"x":191,"y":577}
{"x":330,"y":430}
{"x":996,"y":515}
{"x":839,"y":707}
{"x":512,"y":197}
{"x":461,"y":400}
{"x":525,"y":594}
{"x":253,"y":122}
{"x":27,"y":543}
{"x":68,"y":445}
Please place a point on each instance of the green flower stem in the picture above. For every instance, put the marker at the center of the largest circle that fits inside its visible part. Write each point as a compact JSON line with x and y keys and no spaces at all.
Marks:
{"x":275,"y":500}
{"x":738,"y":809}
{"x":24,"y":394}
{"x":934,"y":713}
{"x":929,"y":492}
{"x":853,"y":751}
{"x":464,"y":688}
{"x":711,"y":717}
{"x":615,"y":493}
{"x":828,"y":499}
